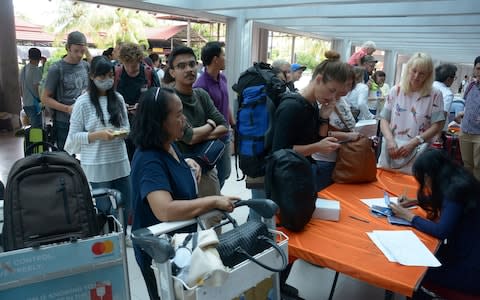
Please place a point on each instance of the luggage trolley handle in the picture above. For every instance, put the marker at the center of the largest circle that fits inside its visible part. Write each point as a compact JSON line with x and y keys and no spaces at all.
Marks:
{"x":264,"y":207}
{"x":113,"y":195}
{"x":161,"y":250}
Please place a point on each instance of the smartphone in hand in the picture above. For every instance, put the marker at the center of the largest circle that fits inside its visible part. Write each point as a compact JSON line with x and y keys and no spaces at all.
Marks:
{"x":385,"y":211}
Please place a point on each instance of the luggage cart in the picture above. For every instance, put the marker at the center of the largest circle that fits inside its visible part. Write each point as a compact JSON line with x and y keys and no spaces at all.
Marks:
{"x":241,"y":278}
{"x":94,"y":268}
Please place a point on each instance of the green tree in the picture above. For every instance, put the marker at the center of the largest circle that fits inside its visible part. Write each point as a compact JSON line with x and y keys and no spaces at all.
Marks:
{"x":103,"y":25}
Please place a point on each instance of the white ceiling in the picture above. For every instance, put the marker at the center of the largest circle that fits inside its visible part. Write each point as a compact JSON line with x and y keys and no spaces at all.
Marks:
{"x":449,"y":30}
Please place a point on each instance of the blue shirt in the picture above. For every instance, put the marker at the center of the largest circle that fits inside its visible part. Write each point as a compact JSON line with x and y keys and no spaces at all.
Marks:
{"x":157,"y":170}
{"x":460,"y":253}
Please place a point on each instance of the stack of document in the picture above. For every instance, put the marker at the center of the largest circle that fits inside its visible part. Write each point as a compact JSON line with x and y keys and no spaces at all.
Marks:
{"x":403,"y":247}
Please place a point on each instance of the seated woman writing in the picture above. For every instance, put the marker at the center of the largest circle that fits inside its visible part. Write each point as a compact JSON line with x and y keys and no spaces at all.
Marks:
{"x":164,"y":184}
{"x":450,"y":196}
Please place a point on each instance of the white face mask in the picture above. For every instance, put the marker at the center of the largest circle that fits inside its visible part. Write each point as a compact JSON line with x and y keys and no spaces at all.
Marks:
{"x":104,"y":85}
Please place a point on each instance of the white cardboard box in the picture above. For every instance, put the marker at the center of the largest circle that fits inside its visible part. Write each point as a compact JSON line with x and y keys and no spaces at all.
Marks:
{"x":327,"y":210}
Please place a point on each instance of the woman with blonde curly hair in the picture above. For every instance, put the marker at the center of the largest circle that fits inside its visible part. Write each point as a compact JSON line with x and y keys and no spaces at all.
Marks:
{"x":413,"y":115}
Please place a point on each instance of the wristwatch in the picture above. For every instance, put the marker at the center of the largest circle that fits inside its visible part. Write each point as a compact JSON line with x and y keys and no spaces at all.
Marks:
{"x":420,"y":139}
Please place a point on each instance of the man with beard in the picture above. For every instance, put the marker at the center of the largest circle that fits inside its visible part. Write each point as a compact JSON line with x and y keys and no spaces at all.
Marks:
{"x":204,"y":121}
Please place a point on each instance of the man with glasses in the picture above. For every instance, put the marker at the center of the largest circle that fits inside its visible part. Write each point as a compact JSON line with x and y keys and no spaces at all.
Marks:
{"x":204,"y":121}
{"x":445,"y":75}
{"x":368,"y":63}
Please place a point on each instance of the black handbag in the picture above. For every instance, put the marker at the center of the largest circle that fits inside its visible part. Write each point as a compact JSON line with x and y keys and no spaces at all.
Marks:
{"x":245,"y":241}
{"x":207,"y":153}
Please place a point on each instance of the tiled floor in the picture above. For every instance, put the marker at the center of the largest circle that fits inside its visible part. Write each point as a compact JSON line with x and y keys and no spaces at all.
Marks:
{"x":313,"y":282}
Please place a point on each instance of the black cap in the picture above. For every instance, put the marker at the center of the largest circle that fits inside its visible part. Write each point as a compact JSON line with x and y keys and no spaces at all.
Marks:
{"x":368,"y":58}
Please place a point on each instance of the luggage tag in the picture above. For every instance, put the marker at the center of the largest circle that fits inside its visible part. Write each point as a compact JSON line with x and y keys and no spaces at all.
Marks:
{"x":183,"y":254}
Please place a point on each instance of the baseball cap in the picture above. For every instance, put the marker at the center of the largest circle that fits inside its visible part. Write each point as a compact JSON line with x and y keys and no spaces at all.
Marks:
{"x":76,"y":38}
{"x":368,"y":58}
{"x":34,"y":53}
{"x":296,"y":67}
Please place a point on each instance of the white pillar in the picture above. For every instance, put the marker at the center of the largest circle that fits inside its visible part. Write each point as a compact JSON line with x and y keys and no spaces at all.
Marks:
{"x":293,"y":59}
{"x":343,"y":47}
{"x":189,"y":38}
{"x":390,"y":66}
{"x":238,"y":48}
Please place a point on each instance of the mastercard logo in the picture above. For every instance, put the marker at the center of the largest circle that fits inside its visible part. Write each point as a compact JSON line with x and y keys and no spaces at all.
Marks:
{"x":101,"y":248}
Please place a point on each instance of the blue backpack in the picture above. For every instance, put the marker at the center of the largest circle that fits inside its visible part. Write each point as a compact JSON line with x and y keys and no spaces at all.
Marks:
{"x":259,"y":92}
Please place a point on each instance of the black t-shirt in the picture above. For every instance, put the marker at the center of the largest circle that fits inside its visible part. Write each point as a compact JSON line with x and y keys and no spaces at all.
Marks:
{"x":132,"y":87}
{"x":296,"y":123}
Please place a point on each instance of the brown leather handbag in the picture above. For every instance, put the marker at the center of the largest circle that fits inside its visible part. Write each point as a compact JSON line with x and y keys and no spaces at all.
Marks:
{"x":356,"y":161}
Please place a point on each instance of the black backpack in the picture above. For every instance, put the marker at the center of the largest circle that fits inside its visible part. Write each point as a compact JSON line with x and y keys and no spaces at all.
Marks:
{"x":259,"y":91}
{"x":47,"y":200}
{"x":290,"y":184}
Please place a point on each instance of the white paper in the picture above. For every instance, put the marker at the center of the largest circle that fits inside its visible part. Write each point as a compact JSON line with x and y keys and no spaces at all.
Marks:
{"x":404,"y":247}
{"x":379,"y":201}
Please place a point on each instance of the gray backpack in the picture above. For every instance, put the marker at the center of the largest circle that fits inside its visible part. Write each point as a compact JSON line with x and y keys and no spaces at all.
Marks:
{"x":47,"y":200}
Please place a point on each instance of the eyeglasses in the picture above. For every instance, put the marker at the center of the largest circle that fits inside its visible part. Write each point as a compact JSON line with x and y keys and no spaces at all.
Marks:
{"x":192,"y":64}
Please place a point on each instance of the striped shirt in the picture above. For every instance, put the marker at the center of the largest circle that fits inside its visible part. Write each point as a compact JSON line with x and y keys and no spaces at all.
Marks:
{"x":102,"y":161}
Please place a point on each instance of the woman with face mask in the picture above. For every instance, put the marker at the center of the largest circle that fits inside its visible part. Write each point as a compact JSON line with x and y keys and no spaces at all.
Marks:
{"x":98,"y":126}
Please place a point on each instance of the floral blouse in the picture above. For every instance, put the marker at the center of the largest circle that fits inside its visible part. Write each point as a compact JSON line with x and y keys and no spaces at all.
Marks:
{"x":411,"y":115}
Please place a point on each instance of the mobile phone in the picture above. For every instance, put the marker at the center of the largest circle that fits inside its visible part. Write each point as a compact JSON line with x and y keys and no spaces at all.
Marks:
{"x":382,"y":210}
{"x":386,"y":197}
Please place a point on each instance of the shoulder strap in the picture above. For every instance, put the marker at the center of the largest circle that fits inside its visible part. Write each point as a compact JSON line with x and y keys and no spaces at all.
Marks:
{"x":468,"y":89}
{"x":118,"y":74}
{"x":60,"y":86}
{"x":147,"y":70}
{"x":342,"y":119}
